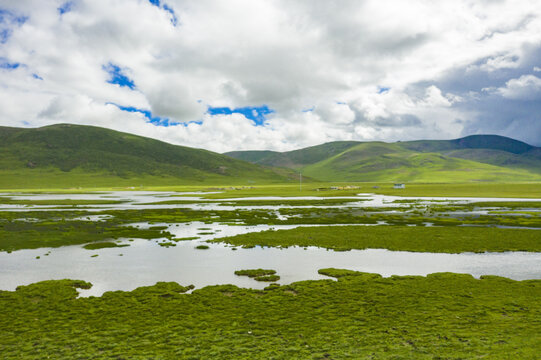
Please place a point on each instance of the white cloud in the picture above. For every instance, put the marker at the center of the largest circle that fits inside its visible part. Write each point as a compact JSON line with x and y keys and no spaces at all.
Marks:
{"x":335,"y":113}
{"x":526,"y":87}
{"x":290,"y":55}
{"x":434,"y":98}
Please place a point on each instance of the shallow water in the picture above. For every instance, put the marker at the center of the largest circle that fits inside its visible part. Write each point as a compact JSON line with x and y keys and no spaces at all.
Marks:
{"x":144,"y":262}
{"x":143,"y":200}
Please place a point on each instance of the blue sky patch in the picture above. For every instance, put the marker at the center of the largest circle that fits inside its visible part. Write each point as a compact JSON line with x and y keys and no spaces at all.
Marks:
{"x":165,"y":7}
{"x":7,"y":16}
{"x":382,"y":90}
{"x":5,"y":64}
{"x":65,"y":7}
{"x":4,"y":35}
{"x":37,"y":77}
{"x":154,"y":120}
{"x":117,"y":76}
{"x":9,"y":20}
{"x":170,"y":10}
{"x":258,"y":114}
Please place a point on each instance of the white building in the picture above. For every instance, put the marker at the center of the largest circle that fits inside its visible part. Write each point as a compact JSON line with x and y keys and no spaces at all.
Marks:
{"x":399,"y":186}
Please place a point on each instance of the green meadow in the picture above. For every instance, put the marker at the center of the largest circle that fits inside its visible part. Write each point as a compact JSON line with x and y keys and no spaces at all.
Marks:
{"x":360,"y":316}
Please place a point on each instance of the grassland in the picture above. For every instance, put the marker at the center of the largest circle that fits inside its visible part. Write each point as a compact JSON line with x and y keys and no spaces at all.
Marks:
{"x":404,"y":238}
{"x":360,"y":316}
{"x":68,"y":156}
{"x":404,"y":166}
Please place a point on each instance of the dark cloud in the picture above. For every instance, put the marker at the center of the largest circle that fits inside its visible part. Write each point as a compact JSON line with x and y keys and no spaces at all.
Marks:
{"x":483,"y":95}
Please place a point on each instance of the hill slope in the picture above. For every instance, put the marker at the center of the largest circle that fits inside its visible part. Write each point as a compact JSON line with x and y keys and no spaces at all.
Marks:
{"x":473,"y":158}
{"x":293,"y":159}
{"x":74,"y":155}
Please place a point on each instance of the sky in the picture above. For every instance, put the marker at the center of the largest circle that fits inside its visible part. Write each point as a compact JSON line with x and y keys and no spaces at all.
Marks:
{"x":277,"y":75}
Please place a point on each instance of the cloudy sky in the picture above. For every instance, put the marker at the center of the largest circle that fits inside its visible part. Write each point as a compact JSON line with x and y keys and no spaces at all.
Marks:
{"x":281,"y":74}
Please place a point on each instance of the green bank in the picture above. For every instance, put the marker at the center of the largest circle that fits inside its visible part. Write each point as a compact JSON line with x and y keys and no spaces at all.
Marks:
{"x":360,"y":316}
{"x":398,"y":238}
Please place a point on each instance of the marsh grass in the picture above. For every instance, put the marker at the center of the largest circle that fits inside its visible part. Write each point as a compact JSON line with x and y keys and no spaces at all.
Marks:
{"x":103,"y":245}
{"x":269,"y":278}
{"x":398,"y":238}
{"x":360,"y":316}
{"x":54,"y":229}
{"x":255,"y":272}
{"x":186,"y":238}
{"x":34,"y":229}
{"x":167,"y":244}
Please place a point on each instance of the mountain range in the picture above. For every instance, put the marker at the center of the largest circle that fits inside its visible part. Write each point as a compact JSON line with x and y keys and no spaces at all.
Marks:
{"x":472,"y":158}
{"x":66,"y":155}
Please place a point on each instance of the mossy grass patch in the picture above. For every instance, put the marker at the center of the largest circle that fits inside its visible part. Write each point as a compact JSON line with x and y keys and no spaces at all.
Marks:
{"x":255,"y":272}
{"x":103,"y":245}
{"x":268,"y":278}
{"x":359,"y":316}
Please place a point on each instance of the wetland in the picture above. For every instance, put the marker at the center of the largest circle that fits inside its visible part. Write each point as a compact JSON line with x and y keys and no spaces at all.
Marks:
{"x":246,"y":264}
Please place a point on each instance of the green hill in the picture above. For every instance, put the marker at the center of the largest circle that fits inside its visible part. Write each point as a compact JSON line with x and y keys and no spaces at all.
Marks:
{"x":254,"y":156}
{"x":293,"y":159}
{"x":74,"y":155}
{"x":473,"y":158}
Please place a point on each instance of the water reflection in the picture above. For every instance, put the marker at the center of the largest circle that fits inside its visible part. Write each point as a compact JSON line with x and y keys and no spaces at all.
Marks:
{"x":145,"y":263}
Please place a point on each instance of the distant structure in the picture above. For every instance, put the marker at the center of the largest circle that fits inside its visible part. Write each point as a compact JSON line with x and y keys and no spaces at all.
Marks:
{"x":399,"y":186}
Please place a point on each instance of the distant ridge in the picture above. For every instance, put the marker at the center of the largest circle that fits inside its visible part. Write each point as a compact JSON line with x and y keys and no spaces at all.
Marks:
{"x":492,"y":142}
{"x":76,"y":155}
{"x":472,"y":158}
